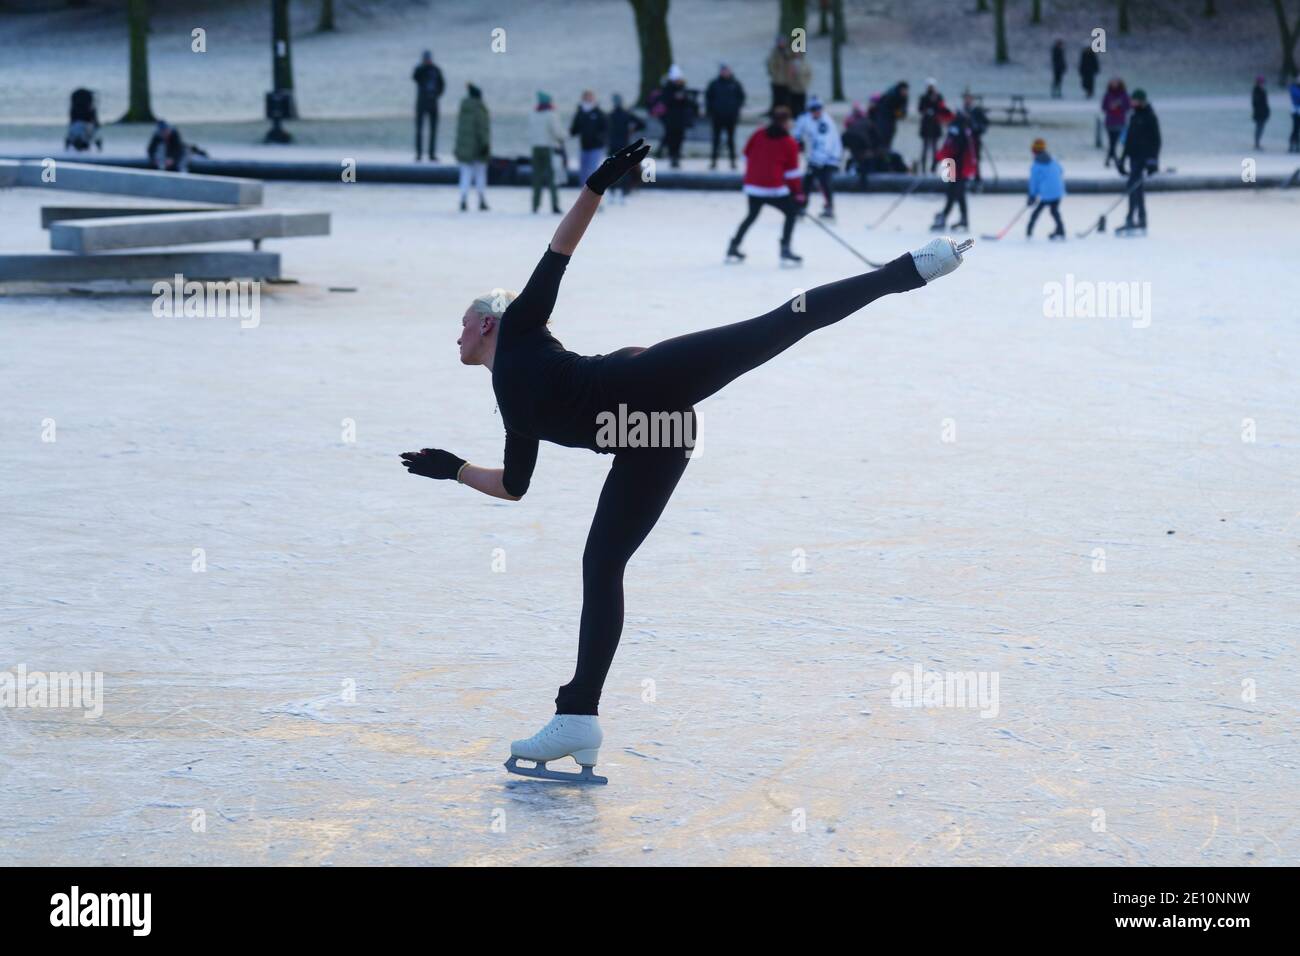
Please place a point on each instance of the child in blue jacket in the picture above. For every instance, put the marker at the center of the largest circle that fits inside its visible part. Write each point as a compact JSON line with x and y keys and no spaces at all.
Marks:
{"x":1046,"y":187}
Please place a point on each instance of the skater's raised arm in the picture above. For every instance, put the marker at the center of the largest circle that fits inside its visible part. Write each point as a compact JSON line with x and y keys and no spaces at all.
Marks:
{"x":575,"y":222}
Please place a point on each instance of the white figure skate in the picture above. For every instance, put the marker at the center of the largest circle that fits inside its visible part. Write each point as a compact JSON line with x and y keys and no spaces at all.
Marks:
{"x":940,"y":256}
{"x":575,"y":735}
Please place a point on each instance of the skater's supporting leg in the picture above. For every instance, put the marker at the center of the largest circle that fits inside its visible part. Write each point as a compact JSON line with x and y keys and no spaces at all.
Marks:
{"x":638,"y":486}
{"x":1137,"y":207}
{"x":791,"y":208}
{"x":1055,"y":208}
{"x":755,"y":207}
{"x":688,"y":369}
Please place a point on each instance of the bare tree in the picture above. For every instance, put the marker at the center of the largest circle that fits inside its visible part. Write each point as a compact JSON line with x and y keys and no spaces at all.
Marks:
{"x":794,"y":14}
{"x":1288,"y":35}
{"x":839,"y":36}
{"x":138,"y":108}
{"x":1123,"y":16}
{"x":1036,"y":12}
{"x":326,"y":16}
{"x":656,"y":47}
{"x":1000,"y":30}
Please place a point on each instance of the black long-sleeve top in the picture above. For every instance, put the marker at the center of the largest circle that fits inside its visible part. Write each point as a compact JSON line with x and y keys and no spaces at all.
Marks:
{"x":543,"y":390}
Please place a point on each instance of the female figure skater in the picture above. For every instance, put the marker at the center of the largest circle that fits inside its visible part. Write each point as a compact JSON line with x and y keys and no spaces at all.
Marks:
{"x":546,"y":392}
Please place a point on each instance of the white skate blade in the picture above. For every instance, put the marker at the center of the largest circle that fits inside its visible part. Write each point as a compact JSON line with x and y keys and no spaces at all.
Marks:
{"x":540,"y":772}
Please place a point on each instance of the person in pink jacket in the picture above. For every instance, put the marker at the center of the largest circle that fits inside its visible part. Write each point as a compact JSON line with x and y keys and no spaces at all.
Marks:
{"x":1115,"y":105}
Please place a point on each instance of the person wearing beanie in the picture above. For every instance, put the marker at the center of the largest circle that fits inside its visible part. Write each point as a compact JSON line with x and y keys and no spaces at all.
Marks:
{"x":1259,"y":110}
{"x":1046,"y":187}
{"x":676,"y":107}
{"x":473,"y":146}
{"x":546,"y":136}
{"x":1141,"y":157}
{"x":592,"y":129}
{"x":723,"y":99}
{"x":428,"y":89}
{"x":771,"y":179}
{"x":819,"y":137}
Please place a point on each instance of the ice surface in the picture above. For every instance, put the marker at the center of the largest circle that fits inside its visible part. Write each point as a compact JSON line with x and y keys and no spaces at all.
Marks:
{"x":746,"y":697}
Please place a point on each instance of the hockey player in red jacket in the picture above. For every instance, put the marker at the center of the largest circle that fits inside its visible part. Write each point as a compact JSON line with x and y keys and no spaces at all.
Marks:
{"x":959,"y":161}
{"x":772,"y":178}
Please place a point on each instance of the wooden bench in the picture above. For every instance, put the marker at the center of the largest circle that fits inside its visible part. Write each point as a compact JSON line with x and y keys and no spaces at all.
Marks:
{"x":1017,"y":114}
{"x":180,"y":229}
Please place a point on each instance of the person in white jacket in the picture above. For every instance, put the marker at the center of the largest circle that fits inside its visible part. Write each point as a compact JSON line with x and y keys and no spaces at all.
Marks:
{"x":545,"y":135}
{"x":819,"y":137}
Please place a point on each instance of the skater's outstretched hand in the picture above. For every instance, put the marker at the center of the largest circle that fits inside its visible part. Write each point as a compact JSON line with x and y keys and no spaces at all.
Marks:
{"x":433,"y":463}
{"x":615,"y":167}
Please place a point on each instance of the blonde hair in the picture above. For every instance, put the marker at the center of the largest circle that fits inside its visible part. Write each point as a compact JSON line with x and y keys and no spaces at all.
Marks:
{"x":493,"y":303}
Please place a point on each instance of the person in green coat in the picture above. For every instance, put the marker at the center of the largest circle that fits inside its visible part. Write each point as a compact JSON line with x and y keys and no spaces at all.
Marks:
{"x":473,"y":146}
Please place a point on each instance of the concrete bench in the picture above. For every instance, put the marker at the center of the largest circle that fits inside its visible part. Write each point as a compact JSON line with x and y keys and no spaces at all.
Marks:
{"x":199,"y":266}
{"x":179,"y":229}
{"x":151,"y":183}
{"x":51,"y":214}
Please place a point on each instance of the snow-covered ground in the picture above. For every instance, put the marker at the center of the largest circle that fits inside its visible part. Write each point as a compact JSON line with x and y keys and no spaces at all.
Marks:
{"x":1099,"y":512}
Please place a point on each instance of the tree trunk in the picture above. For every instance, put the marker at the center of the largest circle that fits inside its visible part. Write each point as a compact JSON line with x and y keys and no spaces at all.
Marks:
{"x":794,"y":15}
{"x":656,"y":46}
{"x":281,"y":58}
{"x":838,"y":37}
{"x":1209,"y":10}
{"x":1288,"y":36}
{"x":1123,"y":16}
{"x":982,"y":6}
{"x":326,"y":16}
{"x":1000,"y":28}
{"x":138,"y":108}
{"x":824,"y":17}
{"x":1036,"y":12}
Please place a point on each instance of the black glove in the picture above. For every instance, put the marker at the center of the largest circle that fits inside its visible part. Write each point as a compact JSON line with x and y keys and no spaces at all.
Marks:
{"x":432,"y":463}
{"x":615,"y":167}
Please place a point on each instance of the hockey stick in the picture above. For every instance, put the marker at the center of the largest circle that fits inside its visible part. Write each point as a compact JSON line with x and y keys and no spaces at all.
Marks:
{"x":916,"y":181}
{"x":1100,"y":224}
{"x":1007,"y":228}
{"x":830,"y":232}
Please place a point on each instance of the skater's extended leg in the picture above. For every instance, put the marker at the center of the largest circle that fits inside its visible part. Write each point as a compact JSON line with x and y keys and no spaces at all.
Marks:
{"x":638,"y":486}
{"x":1033,"y":218}
{"x":685,"y":370}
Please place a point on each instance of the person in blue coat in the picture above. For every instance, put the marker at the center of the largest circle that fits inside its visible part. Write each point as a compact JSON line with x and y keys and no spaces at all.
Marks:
{"x":1046,"y":187}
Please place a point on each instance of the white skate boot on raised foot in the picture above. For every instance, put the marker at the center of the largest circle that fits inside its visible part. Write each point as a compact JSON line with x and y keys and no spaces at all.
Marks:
{"x":575,"y":735}
{"x":940,"y":256}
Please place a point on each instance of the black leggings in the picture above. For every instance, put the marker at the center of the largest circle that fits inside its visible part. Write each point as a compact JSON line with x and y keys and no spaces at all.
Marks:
{"x":789,"y":207}
{"x":673,"y":376}
{"x":1052,"y":206}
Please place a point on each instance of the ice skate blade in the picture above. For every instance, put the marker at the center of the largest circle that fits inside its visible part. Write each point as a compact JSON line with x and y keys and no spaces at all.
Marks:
{"x":540,"y":772}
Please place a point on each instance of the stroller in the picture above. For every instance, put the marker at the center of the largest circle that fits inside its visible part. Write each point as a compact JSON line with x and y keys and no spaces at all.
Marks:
{"x":83,"y":122}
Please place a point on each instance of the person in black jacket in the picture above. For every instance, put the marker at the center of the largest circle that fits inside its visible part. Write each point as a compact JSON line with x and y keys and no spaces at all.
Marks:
{"x":677,"y":108}
{"x":428,"y":88}
{"x":1259,"y":110}
{"x":1089,"y":67}
{"x":166,"y":149}
{"x":623,"y":125}
{"x":927,"y":108}
{"x":891,"y":108}
{"x":723,"y":99}
{"x":1142,"y":157}
{"x":592,"y":129}
{"x":1058,"y":67}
